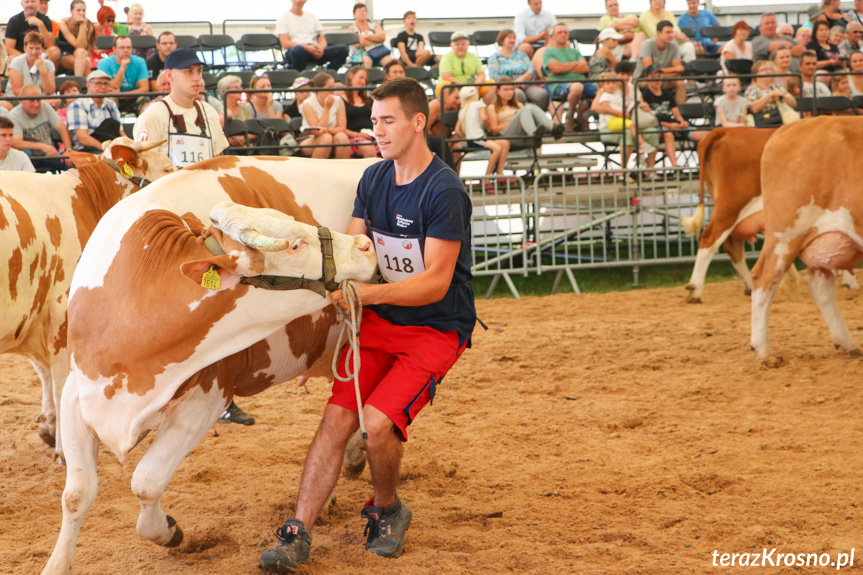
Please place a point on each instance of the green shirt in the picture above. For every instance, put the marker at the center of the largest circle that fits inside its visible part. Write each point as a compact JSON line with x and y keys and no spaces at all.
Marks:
{"x":462,"y":70}
{"x":564,"y":56}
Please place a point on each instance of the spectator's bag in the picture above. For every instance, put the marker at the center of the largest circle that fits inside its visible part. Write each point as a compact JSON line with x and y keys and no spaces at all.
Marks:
{"x":788,"y":113}
{"x":768,"y":118}
{"x":378,"y":52}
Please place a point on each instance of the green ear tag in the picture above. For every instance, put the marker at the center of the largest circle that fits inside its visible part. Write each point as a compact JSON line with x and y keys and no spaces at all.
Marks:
{"x":127,"y":171}
{"x":211,"y":279}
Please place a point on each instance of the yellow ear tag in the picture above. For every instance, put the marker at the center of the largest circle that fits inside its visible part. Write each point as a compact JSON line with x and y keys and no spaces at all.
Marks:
{"x":127,"y":171}
{"x":211,"y":279}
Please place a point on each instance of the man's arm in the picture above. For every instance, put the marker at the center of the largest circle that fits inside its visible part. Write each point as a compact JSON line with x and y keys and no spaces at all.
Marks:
{"x":19,"y":143}
{"x":579,"y":67}
{"x":64,"y":134}
{"x":675,"y":69}
{"x":11,"y":52}
{"x":424,"y":288}
{"x":86,"y":139}
{"x":286,"y":42}
{"x":117,"y":81}
{"x":142,"y":85}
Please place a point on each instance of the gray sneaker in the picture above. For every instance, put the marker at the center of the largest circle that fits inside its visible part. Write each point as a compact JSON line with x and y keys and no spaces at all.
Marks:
{"x":386,"y":528}
{"x":233,"y":414}
{"x":293,"y":547}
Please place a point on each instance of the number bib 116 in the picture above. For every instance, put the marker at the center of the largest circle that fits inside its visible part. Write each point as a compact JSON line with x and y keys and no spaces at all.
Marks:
{"x":186,"y":149}
{"x":398,"y":258}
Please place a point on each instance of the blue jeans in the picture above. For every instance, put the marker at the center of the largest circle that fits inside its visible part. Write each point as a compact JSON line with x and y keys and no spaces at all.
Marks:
{"x":561,"y":90}
{"x":334,"y":56}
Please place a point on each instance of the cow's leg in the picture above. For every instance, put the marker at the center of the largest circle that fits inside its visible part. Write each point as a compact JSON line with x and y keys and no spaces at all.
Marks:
{"x":849,"y":281}
{"x":766,"y":275}
{"x":59,"y":375}
{"x":48,"y":416}
{"x":824,"y":289}
{"x":179,"y":433}
{"x":711,"y":239}
{"x":734,"y":248}
{"x":81,"y":481}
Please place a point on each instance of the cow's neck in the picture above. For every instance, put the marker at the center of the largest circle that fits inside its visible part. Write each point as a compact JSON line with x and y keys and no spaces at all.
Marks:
{"x":100,"y":189}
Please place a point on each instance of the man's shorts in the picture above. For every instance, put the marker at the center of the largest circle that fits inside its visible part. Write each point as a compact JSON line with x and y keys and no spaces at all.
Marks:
{"x":561,"y":90}
{"x":400,"y":368}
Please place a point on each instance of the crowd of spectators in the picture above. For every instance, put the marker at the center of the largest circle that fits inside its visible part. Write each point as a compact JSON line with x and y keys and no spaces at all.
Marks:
{"x":536,"y":82}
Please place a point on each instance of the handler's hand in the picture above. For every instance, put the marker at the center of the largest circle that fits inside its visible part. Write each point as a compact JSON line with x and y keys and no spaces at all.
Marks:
{"x":365,"y":291}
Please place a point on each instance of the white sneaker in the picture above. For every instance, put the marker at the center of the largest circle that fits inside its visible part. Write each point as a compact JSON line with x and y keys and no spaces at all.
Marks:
{"x":646,"y":148}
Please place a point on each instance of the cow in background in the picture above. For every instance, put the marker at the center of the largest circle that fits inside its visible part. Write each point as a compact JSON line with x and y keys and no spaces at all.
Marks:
{"x":45,"y":221}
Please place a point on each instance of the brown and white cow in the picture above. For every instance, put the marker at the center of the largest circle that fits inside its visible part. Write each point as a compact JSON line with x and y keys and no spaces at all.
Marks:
{"x":813,"y":206}
{"x":45,"y":221}
{"x":730,"y":169}
{"x":150,"y":347}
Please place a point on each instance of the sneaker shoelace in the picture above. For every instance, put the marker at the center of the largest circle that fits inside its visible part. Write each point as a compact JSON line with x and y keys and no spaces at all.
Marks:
{"x":374,"y":528}
{"x":285,"y":536}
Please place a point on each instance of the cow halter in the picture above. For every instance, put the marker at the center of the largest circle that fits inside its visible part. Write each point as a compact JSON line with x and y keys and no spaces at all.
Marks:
{"x":326,"y":283}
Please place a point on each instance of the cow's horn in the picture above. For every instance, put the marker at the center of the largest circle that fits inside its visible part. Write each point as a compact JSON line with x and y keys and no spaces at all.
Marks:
{"x":144,"y":146}
{"x":261,"y":242}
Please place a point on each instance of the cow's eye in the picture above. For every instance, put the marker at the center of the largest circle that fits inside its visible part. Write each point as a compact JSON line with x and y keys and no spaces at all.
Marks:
{"x":296,"y":245}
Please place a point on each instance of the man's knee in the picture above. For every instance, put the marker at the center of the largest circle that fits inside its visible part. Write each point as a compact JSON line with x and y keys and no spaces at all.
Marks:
{"x":527,"y":49}
{"x":575,"y":90}
{"x":378,"y":425}
{"x":339,"y":423}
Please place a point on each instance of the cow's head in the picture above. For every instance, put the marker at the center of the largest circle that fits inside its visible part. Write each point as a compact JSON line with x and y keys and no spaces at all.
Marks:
{"x":265,"y":242}
{"x":133,"y":159}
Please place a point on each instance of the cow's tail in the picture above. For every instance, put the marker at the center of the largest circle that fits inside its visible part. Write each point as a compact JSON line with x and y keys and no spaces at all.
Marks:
{"x":693,"y":225}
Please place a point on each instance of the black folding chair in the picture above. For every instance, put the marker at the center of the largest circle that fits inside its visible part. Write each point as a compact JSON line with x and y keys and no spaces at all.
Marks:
{"x":80,"y":80}
{"x":222,"y":45}
{"x":483,"y":38}
{"x":717,"y":33}
{"x":186,"y":41}
{"x":143,"y":42}
{"x":104,"y":42}
{"x":439,"y":39}
{"x":260,"y":50}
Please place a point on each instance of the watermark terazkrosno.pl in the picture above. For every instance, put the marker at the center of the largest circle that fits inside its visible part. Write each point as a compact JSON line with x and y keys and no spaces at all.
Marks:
{"x":775,"y":558}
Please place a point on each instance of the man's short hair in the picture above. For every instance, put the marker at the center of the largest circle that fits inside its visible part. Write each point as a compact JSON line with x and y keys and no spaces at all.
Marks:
{"x":166,"y":34}
{"x":34,"y":37}
{"x":411,"y":96}
{"x":663,"y":24}
{"x":37,"y":91}
{"x":409,"y":13}
{"x":766,"y":14}
{"x":6,"y":123}
{"x":393,"y":63}
{"x":121,"y":37}
{"x":808,"y":54}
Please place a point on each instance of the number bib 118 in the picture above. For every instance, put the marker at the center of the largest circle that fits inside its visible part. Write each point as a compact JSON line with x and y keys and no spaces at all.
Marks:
{"x":398,"y":258}
{"x":186,"y":149}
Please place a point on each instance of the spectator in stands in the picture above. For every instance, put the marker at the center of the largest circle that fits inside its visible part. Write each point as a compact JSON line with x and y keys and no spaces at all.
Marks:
{"x":781,"y":59}
{"x":43,"y":9}
{"x":531,"y":27}
{"x":803,"y":36}
{"x":663,"y":52}
{"x":436,"y":129}
{"x":471,"y":119}
{"x":603,"y":59}
{"x":855,"y":64}
{"x":793,"y":86}
{"x":855,"y":14}
{"x":696,"y":19}
{"x":730,"y":107}
{"x":236,"y":106}
{"x":358,"y":113}
{"x":30,"y":20}
{"x":324,"y":118}
{"x":95,"y":119}
{"x":263,"y":103}
{"x":67,"y":88}
{"x":302,"y":36}
{"x":32,"y":67}
{"x":395,"y":69}
{"x":738,"y":47}
{"x":515,"y":121}
{"x":34,"y":120}
{"x":292,"y":110}
{"x":459,"y":66}
{"x":137,"y":26}
{"x":107,"y":24}
{"x":661,"y":103}
{"x":562,"y":62}
{"x":624,"y":25}
{"x":191,"y":127}
{"x":828,"y":55}
{"x":808,"y":67}
{"x":371,"y":50}
{"x":165,"y":44}
{"x":411,"y":44}
{"x":77,"y":40}
{"x":512,"y":63}
{"x":129,"y":75}
{"x":832,"y":14}
{"x":648,"y":22}
{"x":764,"y":95}
{"x":11,"y":159}
{"x":837,"y":37}
{"x":612,"y":121}
{"x":839,"y":86}
{"x":853,"y":37}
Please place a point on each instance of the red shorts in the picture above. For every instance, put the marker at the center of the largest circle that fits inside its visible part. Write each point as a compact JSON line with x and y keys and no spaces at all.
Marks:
{"x":400,"y":368}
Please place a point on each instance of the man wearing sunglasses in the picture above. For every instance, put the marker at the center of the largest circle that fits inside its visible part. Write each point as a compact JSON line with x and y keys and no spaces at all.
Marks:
{"x":853,"y":39}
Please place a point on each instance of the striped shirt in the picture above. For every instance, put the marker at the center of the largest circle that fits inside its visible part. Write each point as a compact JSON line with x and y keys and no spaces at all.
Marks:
{"x":84,"y":114}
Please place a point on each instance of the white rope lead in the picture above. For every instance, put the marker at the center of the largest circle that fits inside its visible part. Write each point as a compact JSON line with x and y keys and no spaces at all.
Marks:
{"x":349,"y":334}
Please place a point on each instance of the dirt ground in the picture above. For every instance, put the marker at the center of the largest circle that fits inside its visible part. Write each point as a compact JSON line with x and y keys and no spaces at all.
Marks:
{"x":617,"y":433}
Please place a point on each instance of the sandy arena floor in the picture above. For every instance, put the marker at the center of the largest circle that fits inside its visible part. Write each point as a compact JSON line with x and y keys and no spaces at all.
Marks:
{"x":619,"y":433}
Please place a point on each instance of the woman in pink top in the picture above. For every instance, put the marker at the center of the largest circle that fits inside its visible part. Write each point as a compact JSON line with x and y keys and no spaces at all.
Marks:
{"x":738,"y":47}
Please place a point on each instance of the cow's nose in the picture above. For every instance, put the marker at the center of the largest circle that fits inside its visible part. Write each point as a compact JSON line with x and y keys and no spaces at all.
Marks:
{"x":363,"y":243}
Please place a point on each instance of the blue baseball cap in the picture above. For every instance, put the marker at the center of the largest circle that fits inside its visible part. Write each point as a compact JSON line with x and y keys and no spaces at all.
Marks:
{"x":182,"y":58}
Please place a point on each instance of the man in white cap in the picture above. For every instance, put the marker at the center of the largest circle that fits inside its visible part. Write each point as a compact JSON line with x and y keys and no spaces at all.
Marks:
{"x":460,"y":66}
{"x":95,"y":119}
{"x":190,"y":127}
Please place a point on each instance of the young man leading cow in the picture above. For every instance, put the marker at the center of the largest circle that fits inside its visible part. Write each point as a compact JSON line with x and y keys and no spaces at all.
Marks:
{"x":415,"y":325}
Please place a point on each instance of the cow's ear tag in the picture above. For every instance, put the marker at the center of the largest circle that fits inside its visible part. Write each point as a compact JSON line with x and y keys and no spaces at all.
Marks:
{"x":127,"y":171}
{"x":211,"y":279}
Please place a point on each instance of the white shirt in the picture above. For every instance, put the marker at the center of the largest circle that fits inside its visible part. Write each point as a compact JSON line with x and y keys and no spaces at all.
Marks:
{"x":471,"y":120}
{"x":615,"y":102}
{"x":318,"y":108}
{"x":16,"y":161}
{"x":155,"y":124}
{"x":303,"y":29}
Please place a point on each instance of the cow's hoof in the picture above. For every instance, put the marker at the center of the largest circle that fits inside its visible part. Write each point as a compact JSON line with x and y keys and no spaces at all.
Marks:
{"x":47,"y":434}
{"x":747,"y":292}
{"x":856,"y":352}
{"x":772,"y":361}
{"x":353,"y":470}
{"x":691,"y":299}
{"x":690,"y":287}
{"x":178,"y":533}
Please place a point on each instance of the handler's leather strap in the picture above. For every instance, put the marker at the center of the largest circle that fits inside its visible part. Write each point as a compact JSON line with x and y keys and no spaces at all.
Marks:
{"x":283,"y":283}
{"x":180,"y":122}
